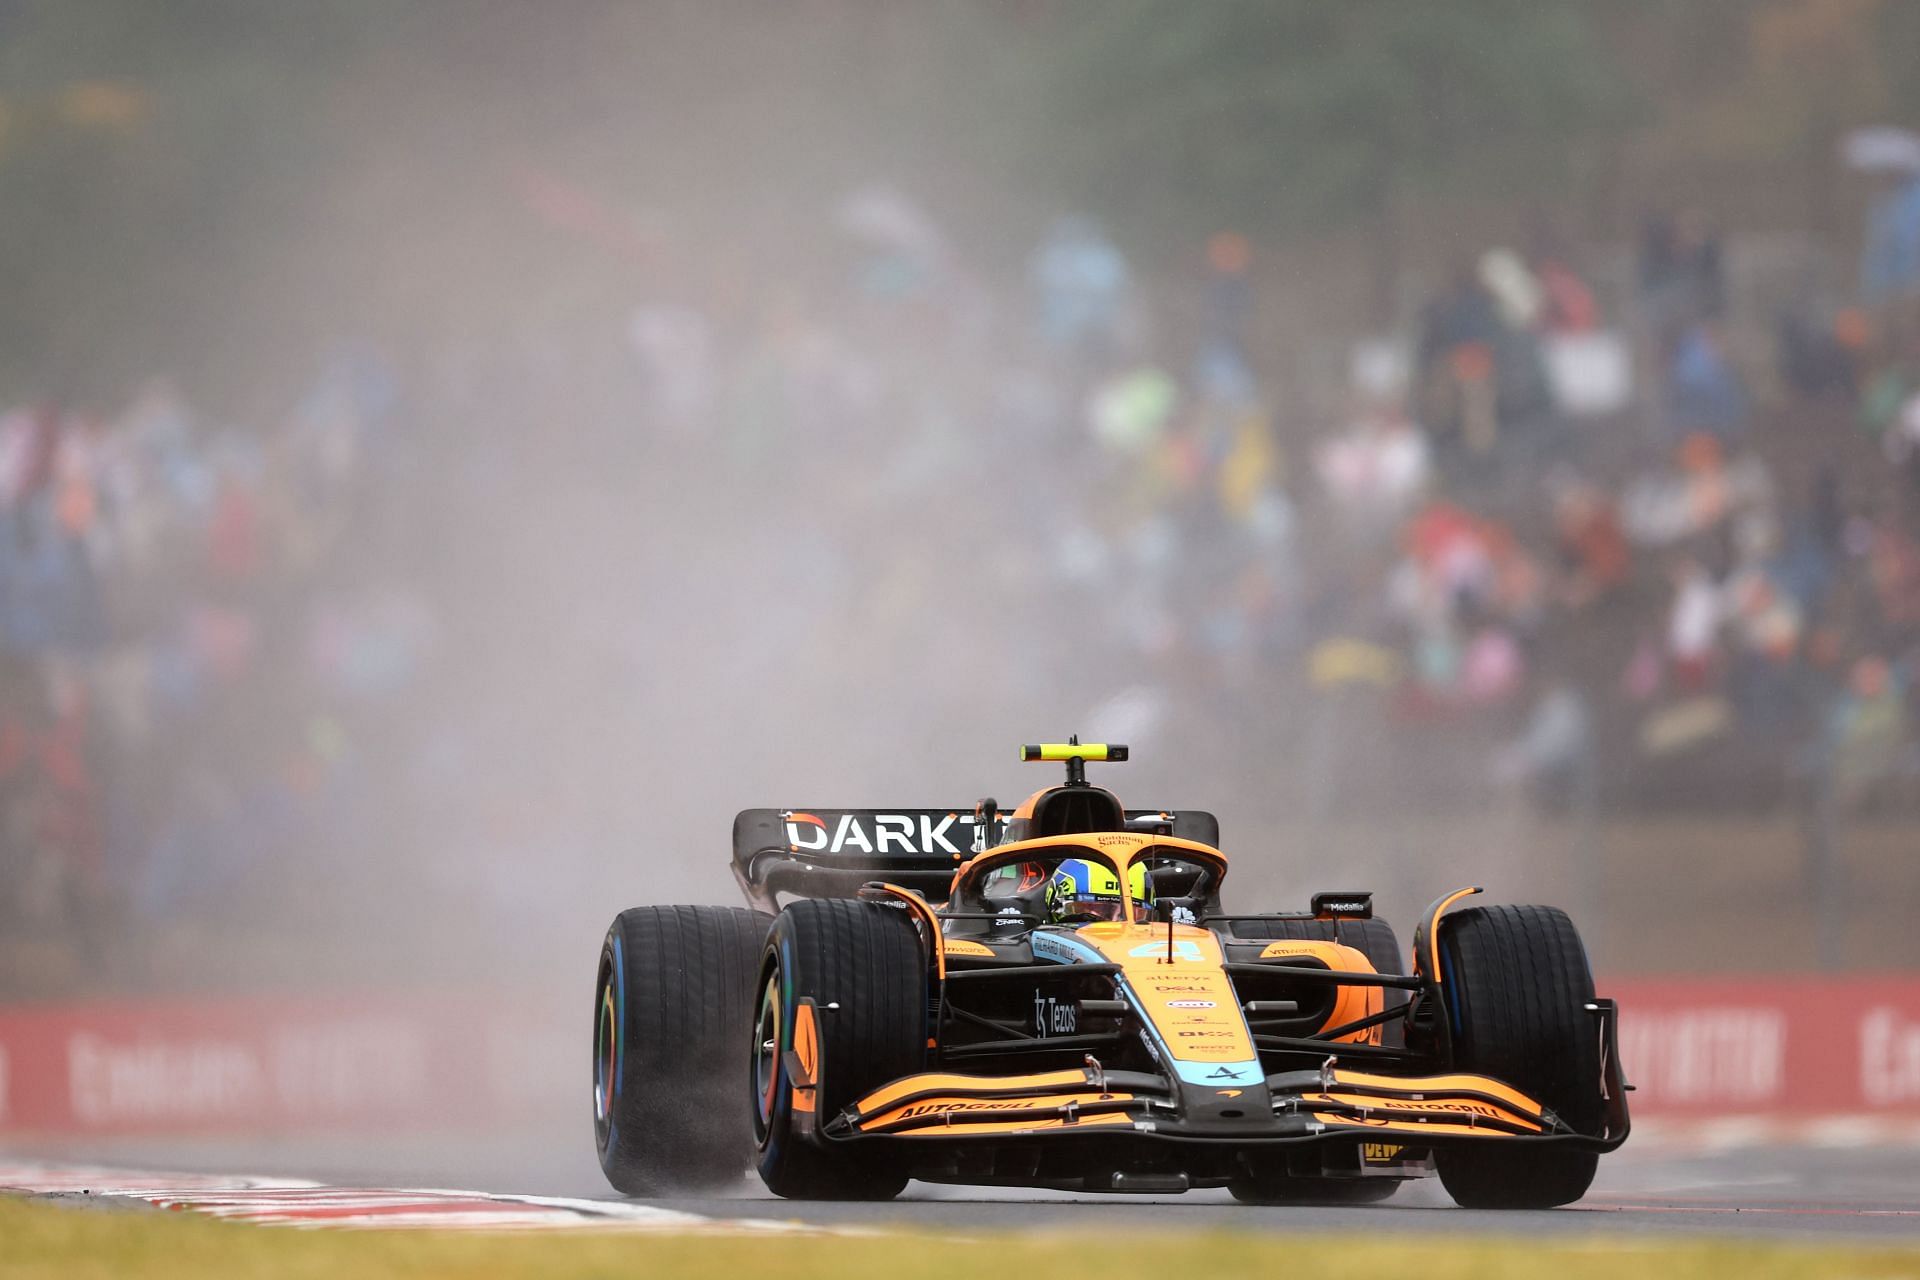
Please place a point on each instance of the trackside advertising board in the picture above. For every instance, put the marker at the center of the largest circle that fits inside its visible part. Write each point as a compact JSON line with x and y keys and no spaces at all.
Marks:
{"x":1693,"y":1048}
{"x":1813,"y":1046}
{"x":268,"y":1065}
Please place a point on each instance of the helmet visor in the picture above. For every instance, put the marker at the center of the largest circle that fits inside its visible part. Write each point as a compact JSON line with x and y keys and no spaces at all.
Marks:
{"x":1107,"y":909}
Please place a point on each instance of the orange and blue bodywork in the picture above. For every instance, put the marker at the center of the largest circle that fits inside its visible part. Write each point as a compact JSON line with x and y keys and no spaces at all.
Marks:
{"x":1185,"y":1036}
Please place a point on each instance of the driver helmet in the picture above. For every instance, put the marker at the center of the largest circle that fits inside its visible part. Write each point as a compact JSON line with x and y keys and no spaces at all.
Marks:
{"x":1082,"y":889}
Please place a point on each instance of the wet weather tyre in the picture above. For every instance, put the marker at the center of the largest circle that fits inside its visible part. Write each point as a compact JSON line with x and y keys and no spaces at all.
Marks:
{"x":1516,"y":985}
{"x":1372,"y":938}
{"x":672,"y":1005}
{"x":863,"y":967}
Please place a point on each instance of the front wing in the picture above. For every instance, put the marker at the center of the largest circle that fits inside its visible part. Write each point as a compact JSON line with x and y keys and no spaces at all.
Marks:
{"x":1291,"y":1107}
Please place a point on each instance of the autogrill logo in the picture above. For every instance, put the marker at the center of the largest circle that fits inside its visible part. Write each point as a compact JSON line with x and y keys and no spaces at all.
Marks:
{"x":936,"y":1108}
{"x":1394,"y":1104}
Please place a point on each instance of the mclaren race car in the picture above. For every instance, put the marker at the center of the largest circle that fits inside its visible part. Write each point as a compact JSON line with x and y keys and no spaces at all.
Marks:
{"x":1055,"y":998}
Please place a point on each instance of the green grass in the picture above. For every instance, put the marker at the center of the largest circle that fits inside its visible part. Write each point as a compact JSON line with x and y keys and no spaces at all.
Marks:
{"x":42,"y":1242}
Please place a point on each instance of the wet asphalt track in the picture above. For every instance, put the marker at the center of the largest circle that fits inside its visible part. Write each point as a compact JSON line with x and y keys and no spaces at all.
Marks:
{"x":1868,"y":1194}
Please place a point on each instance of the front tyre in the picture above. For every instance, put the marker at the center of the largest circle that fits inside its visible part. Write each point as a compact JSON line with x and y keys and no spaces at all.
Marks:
{"x":863,"y":967}
{"x":1516,"y":982}
{"x":672,"y":1000}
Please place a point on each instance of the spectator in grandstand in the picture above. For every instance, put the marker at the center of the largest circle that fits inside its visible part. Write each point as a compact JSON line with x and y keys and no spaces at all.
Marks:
{"x":1567,"y":302}
{"x":1704,"y":390}
{"x":1693,"y":626}
{"x":1553,"y":756}
{"x":1083,"y":285}
{"x":1514,"y":288}
{"x":1223,"y":369}
{"x":1376,"y":469}
{"x":1699,"y":492}
{"x":1453,"y":366}
{"x":1594,"y":559}
{"x":1890,"y":258}
{"x":1681,"y":269}
{"x":1869,"y":732}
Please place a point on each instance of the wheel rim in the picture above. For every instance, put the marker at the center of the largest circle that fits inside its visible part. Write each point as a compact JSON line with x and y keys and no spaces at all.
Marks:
{"x":606,"y":1056}
{"x":766,"y":1056}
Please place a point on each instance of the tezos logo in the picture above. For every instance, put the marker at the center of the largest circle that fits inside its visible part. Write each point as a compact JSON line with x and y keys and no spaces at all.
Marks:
{"x":1052,"y":1017}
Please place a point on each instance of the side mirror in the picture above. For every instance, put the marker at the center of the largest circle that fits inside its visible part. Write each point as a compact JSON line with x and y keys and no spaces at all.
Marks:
{"x":986,"y":812}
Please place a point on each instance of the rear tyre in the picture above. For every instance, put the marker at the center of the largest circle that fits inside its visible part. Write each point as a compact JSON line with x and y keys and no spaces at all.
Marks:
{"x":1284,"y":1190}
{"x":863,"y":967}
{"x":1372,"y":938}
{"x":671,"y":1006}
{"x":1516,"y":983}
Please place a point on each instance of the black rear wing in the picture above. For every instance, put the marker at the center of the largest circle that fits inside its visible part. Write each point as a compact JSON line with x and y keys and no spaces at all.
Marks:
{"x":830,"y":853}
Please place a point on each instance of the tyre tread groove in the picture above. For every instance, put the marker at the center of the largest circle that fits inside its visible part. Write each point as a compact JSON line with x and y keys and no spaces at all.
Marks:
{"x":1520,"y":985}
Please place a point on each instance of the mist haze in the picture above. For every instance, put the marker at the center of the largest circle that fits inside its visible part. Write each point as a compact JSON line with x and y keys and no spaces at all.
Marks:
{"x":456,"y":455}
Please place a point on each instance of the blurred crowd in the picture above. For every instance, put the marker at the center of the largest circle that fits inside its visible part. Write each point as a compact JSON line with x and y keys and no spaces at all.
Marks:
{"x":1691,"y":584}
{"x":184,"y":641}
{"x":1573,"y":540}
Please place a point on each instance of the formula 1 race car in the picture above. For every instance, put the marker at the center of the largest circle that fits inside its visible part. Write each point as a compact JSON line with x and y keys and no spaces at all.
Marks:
{"x":1054,"y":998}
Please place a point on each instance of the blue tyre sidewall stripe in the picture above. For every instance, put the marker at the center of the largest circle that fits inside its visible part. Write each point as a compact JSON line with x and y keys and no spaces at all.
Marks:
{"x":1450,"y":981}
{"x":619,"y":1012}
{"x":619,"y":1035}
{"x":780,"y":1118}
